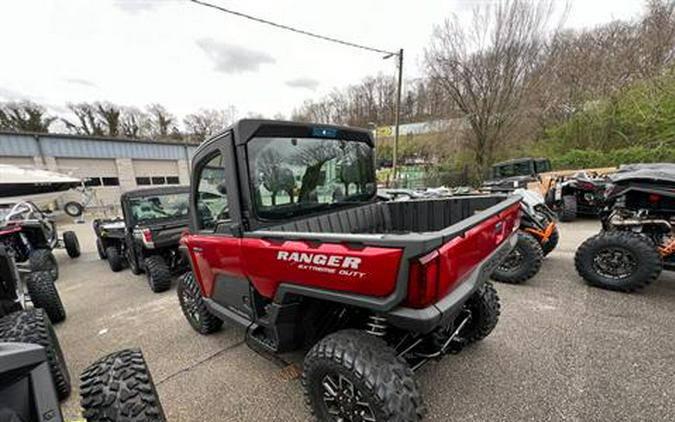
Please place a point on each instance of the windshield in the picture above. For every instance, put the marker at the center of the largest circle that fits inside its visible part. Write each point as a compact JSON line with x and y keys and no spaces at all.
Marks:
{"x":294,"y":176}
{"x":514,"y":169}
{"x":159,"y":207}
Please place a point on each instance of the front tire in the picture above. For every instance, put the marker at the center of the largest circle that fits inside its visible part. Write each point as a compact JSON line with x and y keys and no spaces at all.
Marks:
{"x":114,"y":258}
{"x":33,"y":326}
{"x":159,"y":276}
{"x":193,"y":306}
{"x":43,"y":294}
{"x":351,"y":375}
{"x":119,"y":387}
{"x":72,"y":244}
{"x":552,"y":242}
{"x":621,"y":261}
{"x":485,"y":309}
{"x":522,"y":263}
{"x":44,"y":260}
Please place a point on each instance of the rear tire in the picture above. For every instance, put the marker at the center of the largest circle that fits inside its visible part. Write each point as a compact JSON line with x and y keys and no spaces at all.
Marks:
{"x":193,"y":306}
{"x":602,"y":259}
{"x":44,"y":260}
{"x":159,"y":276}
{"x":351,"y":371}
{"x":485,"y":309}
{"x":114,"y":258}
{"x":100,"y":249}
{"x":523,"y":263}
{"x":133,"y":263}
{"x":33,"y":326}
{"x":43,"y":294}
{"x":72,"y":244}
{"x":119,"y":387}
{"x":568,"y":208}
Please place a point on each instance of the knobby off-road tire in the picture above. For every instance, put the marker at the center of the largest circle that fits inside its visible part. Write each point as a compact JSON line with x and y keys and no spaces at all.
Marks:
{"x":100,"y":249}
{"x":350,"y":367}
{"x":114,"y":258}
{"x":601,"y":259}
{"x":158,"y":273}
{"x":43,"y":294}
{"x":193,"y":306}
{"x":33,"y":326}
{"x":119,"y":388}
{"x":553,"y":240}
{"x":44,"y":260}
{"x":72,"y":244}
{"x":485,"y":309}
{"x":523,"y":263}
{"x":132,"y":262}
{"x":568,"y":208}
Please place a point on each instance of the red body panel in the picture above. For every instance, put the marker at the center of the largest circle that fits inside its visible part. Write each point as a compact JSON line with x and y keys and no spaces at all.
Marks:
{"x":369,"y":271}
{"x":212,"y":255}
{"x":462,"y":254}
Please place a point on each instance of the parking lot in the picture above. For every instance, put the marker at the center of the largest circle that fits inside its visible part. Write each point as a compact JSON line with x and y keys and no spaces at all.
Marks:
{"x":562,"y":350}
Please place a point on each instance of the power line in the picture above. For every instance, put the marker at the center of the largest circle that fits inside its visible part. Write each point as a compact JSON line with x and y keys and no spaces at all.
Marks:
{"x":296,"y":30}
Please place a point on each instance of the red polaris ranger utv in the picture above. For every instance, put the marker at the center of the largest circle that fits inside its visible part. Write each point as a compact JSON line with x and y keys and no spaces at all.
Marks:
{"x":288,"y":240}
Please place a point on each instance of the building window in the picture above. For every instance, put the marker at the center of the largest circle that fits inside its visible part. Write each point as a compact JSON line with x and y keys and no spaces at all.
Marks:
{"x":141,"y":181}
{"x":92,"y":181}
{"x":158,"y":180}
{"x":172,"y":180}
{"x":110,"y":181}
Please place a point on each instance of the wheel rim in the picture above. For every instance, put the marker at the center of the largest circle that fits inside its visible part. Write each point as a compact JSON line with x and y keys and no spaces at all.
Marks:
{"x":615,"y":263}
{"x":512,"y":261}
{"x":344,"y":402}
{"x":190,"y":306}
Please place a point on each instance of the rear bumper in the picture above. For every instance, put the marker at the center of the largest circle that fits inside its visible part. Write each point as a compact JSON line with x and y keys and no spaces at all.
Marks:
{"x":427,"y":319}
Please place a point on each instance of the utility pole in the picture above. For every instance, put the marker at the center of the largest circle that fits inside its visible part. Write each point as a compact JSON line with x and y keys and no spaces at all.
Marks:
{"x":394,"y":160}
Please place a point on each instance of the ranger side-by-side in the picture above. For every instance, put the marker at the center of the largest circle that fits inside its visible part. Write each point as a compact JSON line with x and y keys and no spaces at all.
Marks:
{"x":287,"y":239}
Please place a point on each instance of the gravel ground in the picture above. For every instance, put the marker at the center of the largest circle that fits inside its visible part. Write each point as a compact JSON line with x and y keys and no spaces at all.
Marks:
{"x":561,"y":352}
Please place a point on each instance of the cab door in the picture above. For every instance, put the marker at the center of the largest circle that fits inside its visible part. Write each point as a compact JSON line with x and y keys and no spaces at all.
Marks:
{"x":214,"y":242}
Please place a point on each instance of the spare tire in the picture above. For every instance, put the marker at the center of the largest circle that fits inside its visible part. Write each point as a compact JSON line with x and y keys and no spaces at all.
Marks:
{"x":119,"y":387}
{"x":33,"y":326}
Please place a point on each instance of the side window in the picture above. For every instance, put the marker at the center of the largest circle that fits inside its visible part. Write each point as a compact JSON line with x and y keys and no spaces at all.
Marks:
{"x":212,"y":207}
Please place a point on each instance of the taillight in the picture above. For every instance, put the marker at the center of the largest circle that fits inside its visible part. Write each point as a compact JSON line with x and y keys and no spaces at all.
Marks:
{"x":423,"y":281}
{"x":147,"y":236}
{"x":654,"y":198}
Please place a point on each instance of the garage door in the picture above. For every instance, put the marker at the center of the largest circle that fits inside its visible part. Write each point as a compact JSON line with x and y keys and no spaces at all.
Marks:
{"x":18,"y":161}
{"x":101,"y":176}
{"x":155,"y":172}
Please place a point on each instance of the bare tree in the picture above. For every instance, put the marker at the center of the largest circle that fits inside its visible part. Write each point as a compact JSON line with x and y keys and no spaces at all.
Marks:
{"x":162,"y":123}
{"x":135,"y":124}
{"x":87,"y":120}
{"x":205,"y":123}
{"x":24,"y":116}
{"x":486,"y":68}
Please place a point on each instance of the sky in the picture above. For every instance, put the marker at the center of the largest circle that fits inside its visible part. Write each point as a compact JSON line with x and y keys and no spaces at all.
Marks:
{"x":187,"y":57}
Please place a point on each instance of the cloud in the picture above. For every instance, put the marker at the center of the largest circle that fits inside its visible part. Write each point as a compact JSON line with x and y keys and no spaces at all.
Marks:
{"x":8,"y":94}
{"x":230,"y":58}
{"x":303,"y":82}
{"x":83,"y":82}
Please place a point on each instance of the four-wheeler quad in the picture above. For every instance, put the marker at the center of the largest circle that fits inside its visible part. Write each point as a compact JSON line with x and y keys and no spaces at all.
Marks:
{"x":148,"y":236}
{"x":537,"y":237}
{"x":580,"y":194}
{"x":637,"y":240}
{"x":288,"y":239}
{"x":32,"y":236}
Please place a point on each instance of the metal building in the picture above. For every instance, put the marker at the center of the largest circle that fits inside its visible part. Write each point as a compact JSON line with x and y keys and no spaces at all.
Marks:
{"x":109,"y":165}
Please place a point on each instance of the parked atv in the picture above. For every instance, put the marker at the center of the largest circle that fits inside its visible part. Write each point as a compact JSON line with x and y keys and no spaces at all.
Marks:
{"x":637,"y":240}
{"x":581,"y":194}
{"x":537,"y":237}
{"x":287,"y":238}
{"x":148,"y":236}
{"x":32,"y":237}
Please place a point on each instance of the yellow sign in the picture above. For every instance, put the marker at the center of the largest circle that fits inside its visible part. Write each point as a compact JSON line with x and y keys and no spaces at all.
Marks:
{"x":384,"y":131}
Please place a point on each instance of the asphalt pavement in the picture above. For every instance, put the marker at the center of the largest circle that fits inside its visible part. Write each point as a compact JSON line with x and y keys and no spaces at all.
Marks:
{"x":562,"y":351}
